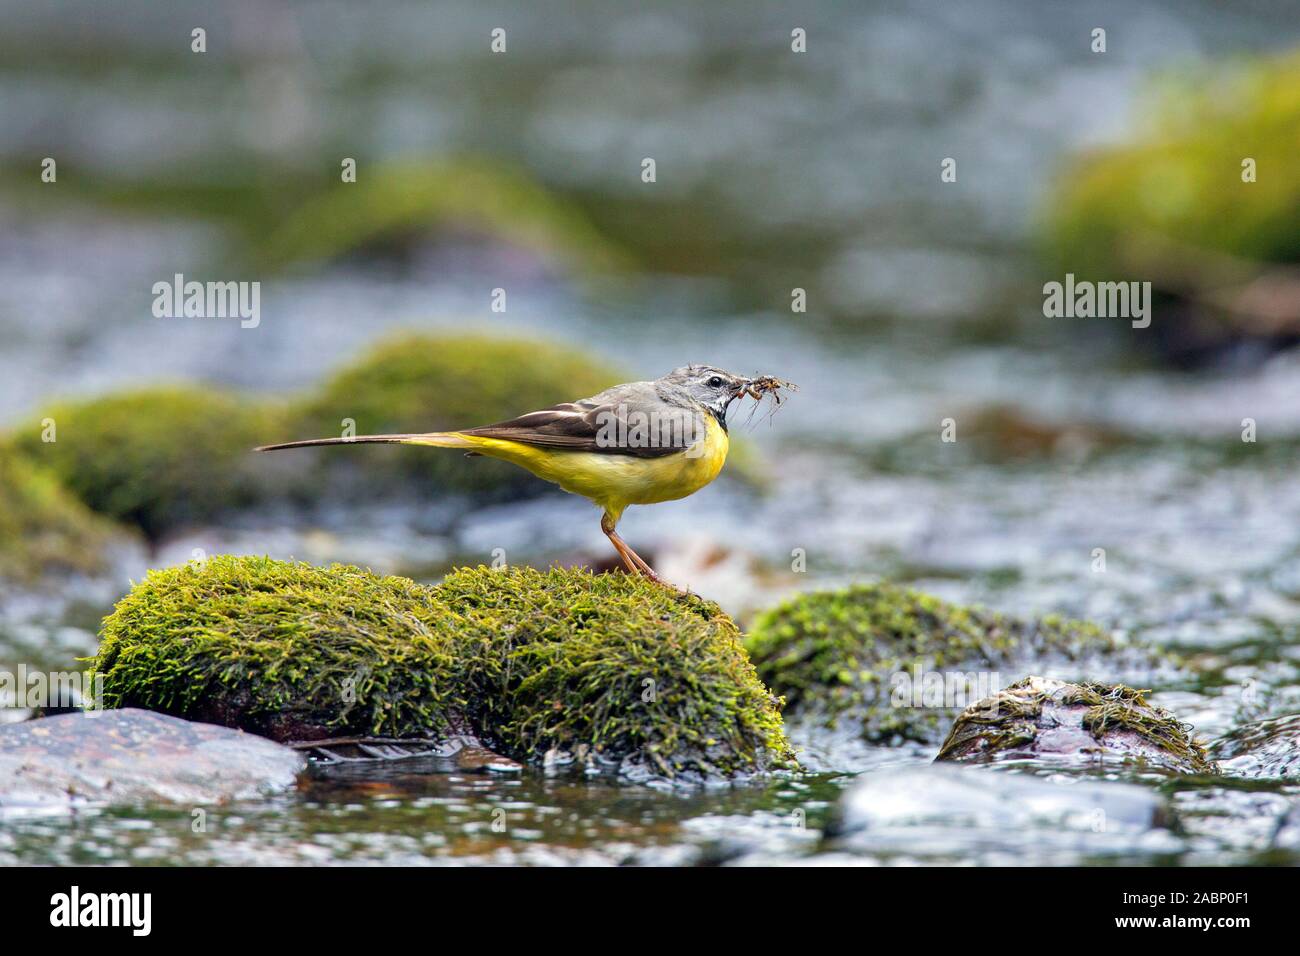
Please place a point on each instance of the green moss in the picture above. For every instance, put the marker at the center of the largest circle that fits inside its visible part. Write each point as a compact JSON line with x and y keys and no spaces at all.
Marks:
{"x":43,"y":527}
{"x":1172,"y":207}
{"x":834,"y":655}
{"x":1086,"y":719}
{"x":156,"y":458}
{"x":422,"y":382}
{"x":279,"y":647}
{"x":394,"y":202}
{"x":615,"y":662}
{"x":606,"y":666}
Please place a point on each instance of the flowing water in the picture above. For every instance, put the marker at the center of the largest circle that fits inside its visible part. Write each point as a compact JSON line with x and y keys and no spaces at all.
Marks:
{"x":1200,"y":531}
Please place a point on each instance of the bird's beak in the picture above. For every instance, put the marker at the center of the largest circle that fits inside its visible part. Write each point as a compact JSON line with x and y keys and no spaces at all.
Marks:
{"x":739,"y":390}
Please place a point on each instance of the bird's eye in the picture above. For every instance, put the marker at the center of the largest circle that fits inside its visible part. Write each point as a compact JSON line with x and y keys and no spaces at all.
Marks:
{"x":715,"y":382}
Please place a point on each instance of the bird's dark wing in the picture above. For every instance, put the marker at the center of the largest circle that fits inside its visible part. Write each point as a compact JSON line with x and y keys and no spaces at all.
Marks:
{"x":605,"y":427}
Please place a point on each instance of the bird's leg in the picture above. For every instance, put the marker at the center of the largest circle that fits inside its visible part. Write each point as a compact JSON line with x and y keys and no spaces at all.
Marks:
{"x":633,"y":561}
{"x":624,"y":552}
{"x":640,"y":562}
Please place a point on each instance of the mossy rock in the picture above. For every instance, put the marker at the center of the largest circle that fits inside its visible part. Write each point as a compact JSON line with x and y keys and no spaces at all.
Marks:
{"x":44,"y":528}
{"x":156,"y":458}
{"x":604,"y":668}
{"x":1172,"y":207}
{"x":841,"y":657}
{"x":1182,"y":180}
{"x":1040,"y":717}
{"x":395,"y":203}
{"x":426,"y":382}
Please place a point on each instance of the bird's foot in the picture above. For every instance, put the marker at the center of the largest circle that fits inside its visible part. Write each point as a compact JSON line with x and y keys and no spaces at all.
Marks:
{"x":636,"y":564}
{"x":642,"y":567}
{"x":649,"y":573}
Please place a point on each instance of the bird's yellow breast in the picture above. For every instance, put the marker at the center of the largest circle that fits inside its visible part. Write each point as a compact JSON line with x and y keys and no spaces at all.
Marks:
{"x":616,"y":481}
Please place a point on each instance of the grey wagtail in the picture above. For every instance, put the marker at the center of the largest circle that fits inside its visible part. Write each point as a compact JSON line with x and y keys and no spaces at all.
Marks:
{"x":633,"y":444}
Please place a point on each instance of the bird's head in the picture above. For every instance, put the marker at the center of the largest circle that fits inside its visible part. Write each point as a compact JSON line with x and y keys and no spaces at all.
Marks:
{"x":714,"y":388}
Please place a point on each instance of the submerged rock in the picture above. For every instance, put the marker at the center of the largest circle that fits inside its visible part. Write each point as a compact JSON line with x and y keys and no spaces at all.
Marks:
{"x":157,"y":458}
{"x":1263,"y":748}
{"x":1007,"y":433}
{"x":370,"y":756}
{"x":131,"y":756}
{"x":887,"y":662}
{"x":1286,"y":836}
{"x":936,"y":812}
{"x":607,"y":671}
{"x":1040,"y":717}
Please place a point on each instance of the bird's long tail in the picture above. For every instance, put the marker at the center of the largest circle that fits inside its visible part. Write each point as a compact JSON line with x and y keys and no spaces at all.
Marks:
{"x":433,"y":439}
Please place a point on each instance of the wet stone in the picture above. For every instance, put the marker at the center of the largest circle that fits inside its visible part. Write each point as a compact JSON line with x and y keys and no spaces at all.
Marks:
{"x":131,"y":756}
{"x":940,"y":810}
{"x":1263,"y":748}
{"x":1287,"y":834}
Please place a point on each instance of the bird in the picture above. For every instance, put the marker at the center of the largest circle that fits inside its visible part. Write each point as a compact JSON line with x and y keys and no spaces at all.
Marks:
{"x":638,"y":443}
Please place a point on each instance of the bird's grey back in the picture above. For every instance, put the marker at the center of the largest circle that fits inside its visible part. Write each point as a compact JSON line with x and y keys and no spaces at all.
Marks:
{"x":644,"y":396}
